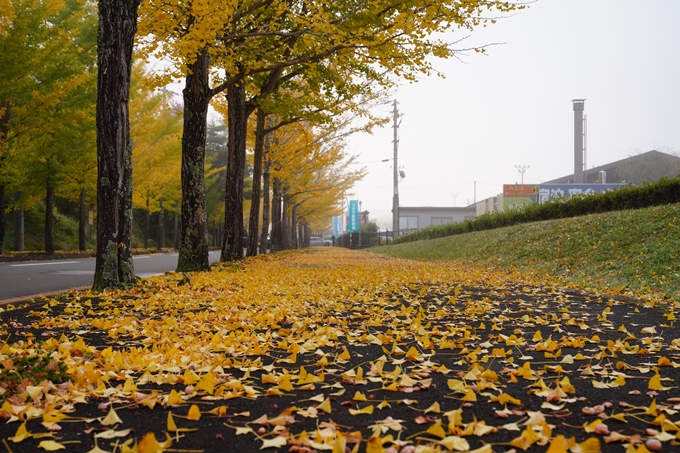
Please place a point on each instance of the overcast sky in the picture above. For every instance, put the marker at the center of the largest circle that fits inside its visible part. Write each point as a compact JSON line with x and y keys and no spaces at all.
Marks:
{"x":513,"y":106}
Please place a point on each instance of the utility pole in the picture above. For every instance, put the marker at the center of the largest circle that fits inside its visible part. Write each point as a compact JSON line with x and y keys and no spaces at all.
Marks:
{"x":521,"y":169}
{"x":395,"y":167}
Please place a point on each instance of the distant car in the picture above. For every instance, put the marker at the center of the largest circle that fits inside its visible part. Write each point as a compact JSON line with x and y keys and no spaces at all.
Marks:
{"x":319,"y":242}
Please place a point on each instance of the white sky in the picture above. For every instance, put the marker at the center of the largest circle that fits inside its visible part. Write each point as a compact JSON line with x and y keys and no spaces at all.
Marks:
{"x":513,"y":106}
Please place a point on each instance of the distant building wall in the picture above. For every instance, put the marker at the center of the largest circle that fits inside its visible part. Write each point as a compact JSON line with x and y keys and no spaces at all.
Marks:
{"x":491,"y":204}
{"x":417,"y":218}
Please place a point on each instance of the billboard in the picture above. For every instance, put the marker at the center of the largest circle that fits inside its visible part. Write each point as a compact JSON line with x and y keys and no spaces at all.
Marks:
{"x":353,"y":216}
{"x":519,"y":195}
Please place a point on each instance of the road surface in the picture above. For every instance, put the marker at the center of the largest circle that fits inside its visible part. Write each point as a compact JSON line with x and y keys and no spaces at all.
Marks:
{"x":23,"y":280}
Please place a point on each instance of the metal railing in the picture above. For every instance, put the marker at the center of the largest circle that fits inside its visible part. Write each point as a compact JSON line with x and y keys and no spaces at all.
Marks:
{"x":364,"y":239}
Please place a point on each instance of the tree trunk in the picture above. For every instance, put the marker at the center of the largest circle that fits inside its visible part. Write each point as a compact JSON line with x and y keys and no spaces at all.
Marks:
{"x":115,"y":41}
{"x":294,"y":232}
{"x":265,"y":204}
{"x":49,"y":220}
{"x":175,"y":237}
{"x":4,"y":130}
{"x":193,"y":249}
{"x":147,"y":221}
{"x":254,"y":221}
{"x":277,"y":238}
{"x":232,"y":247}
{"x":18,"y":218}
{"x":161,"y":226}
{"x":285,"y":221}
{"x":82,"y":218}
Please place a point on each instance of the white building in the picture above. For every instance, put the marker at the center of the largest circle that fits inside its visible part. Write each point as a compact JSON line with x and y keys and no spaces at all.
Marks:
{"x":417,"y":218}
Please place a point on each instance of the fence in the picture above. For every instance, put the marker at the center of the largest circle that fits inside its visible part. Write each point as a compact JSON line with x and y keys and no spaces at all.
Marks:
{"x":364,"y":239}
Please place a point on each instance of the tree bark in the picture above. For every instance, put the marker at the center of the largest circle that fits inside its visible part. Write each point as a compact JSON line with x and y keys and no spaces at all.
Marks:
{"x":161,"y":226}
{"x":49,"y":220}
{"x":232,"y":247}
{"x":296,"y":233}
{"x":115,"y":40}
{"x":277,"y":238}
{"x":2,"y":218}
{"x":254,"y":221}
{"x":285,"y":221}
{"x":265,"y":203}
{"x":4,"y":130}
{"x":175,"y":237}
{"x":193,"y":248}
{"x":82,"y":219}
{"x":147,"y":221}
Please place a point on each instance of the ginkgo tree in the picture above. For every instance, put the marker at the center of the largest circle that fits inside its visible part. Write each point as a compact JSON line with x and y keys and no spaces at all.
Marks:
{"x":115,"y":42}
{"x":219,"y":46}
{"x":155,"y":129}
{"x":311,"y":172}
{"x":46,"y":99}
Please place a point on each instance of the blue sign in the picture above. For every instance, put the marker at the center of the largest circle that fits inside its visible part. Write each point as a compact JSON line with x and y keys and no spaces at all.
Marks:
{"x":548,"y":192}
{"x":519,"y":195}
{"x":337,"y":225}
{"x":353,"y":216}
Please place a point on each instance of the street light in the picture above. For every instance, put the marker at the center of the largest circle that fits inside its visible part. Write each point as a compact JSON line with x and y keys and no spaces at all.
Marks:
{"x":521,"y":169}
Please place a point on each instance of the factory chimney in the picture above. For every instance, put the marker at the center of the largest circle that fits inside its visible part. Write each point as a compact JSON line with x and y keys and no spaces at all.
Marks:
{"x":578,"y":140}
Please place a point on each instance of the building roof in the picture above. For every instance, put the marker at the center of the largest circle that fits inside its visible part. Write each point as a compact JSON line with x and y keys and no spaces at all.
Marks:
{"x":646,"y":167}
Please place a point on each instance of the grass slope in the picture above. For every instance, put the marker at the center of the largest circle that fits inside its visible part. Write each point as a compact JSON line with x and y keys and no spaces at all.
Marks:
{"x":634,"y":252}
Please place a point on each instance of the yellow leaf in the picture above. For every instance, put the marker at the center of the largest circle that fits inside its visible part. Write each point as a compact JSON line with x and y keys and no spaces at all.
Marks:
{"x":345,"y":354}
{"x":470,"y":395}
{"x":277,"y":442}
{"x":325,"y":406}
{"x":655,"y":383}
{"x":130,"y":386}
{"x":383,"y":405}
{"x":526,"y":439}
{"x":366,"y":410}
{"x":207,"y":384}
{"x":412,"y":354}
{"x":174,"y":397}
{"x":21,"y":434}
{"x":620,"y":417}
{"x":374,"y":445}
{"x":358,"y":396}
{"x":557,"y":445}
{"x":149,"y":444}
{"x":437,"y":430}
{"x":111,"y":418}
{"x":590,"y":445}
{"x":112,"y":434}
{"x":434,"y":408}
{"x":456,"y":443}
{"x":51,"y":445}
{"x":194,"y":413}
{"x":172,"y":427}
{"x":590,"y":427}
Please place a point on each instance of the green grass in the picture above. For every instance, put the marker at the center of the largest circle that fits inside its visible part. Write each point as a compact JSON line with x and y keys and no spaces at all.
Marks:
{"x":636,"y":251}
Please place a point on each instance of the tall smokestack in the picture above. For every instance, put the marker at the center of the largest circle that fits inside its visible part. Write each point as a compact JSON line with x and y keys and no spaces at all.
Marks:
{"x":578,"y":140}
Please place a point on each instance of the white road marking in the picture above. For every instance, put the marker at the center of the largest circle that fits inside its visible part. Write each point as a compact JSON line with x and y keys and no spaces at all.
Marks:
{"x":44,"y":263}
{"x":140,"y":257}
{"x":73,"y":272}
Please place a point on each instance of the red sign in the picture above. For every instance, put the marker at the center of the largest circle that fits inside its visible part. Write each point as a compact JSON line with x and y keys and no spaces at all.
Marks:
{"x":517,"y":190}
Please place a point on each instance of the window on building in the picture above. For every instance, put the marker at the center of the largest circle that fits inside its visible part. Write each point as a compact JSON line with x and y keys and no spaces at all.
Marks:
{"x":408,"y":224}
{"x":440,"y":220}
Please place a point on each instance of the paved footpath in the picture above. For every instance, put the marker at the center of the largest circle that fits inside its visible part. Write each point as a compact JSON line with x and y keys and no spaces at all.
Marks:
{"x":340,"y":350}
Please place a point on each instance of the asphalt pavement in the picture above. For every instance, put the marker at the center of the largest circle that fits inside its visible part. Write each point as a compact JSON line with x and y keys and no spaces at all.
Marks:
{"x":28,"y":279}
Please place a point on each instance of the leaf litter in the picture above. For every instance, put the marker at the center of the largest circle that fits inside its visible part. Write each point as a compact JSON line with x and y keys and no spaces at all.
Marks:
{"x":337,"y":350}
